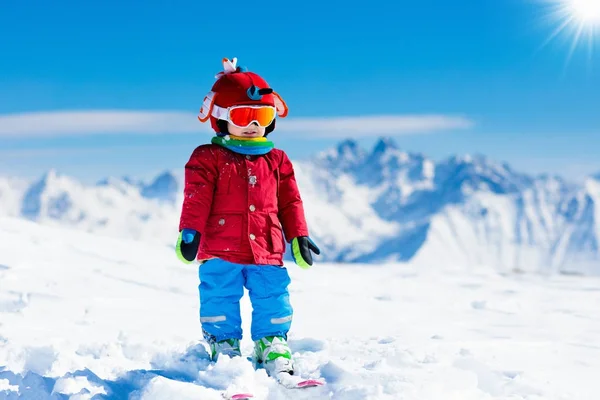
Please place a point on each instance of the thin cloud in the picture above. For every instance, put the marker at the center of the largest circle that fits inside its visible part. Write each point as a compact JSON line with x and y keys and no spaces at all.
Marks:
{"x":388,"y":125}
{"x":77,"y":123}
{"x":52,"y":152}
{"x":70,"y":123}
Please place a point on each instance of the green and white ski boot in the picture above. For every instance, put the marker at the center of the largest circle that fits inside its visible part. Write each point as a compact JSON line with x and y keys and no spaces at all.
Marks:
{"x":229,"y":347}
{"x":274,"y":354}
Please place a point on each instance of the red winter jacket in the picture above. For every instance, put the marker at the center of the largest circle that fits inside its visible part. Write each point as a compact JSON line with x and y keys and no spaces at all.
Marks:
{"x":238,"y":203}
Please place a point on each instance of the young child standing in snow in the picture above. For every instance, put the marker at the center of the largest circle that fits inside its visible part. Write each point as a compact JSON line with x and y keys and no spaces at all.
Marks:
{"x":240,"y":199}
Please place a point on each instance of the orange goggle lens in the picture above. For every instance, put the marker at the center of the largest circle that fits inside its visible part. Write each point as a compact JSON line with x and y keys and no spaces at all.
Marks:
{"x":244,"y":116}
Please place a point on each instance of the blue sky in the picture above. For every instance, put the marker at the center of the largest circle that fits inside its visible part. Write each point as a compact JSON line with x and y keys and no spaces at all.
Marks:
{"x":476,"y":61}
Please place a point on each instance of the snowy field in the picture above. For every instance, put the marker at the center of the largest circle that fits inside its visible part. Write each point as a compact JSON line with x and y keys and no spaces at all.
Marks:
{"x":84,"y":316}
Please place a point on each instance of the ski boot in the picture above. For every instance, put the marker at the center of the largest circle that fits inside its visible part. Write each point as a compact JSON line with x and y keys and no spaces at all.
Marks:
{"x":275,"y":355}
{"x":229,"y":347}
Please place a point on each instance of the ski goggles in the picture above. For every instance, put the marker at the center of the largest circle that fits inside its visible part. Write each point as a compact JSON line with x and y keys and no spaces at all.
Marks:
{"x":243,"y":116}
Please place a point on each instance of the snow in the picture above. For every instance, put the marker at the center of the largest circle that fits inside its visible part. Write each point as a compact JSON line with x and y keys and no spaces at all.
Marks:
{"x":85,"y":316}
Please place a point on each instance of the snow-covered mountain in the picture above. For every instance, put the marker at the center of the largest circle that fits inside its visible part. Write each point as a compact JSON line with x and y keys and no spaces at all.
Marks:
{"x":374,"y":206}
{"x":118,"y":207}
{"x":463,"y":211}
{"x":11,"y":192}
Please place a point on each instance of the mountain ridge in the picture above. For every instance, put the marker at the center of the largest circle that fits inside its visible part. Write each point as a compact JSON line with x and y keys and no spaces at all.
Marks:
{"x":367,"y":205}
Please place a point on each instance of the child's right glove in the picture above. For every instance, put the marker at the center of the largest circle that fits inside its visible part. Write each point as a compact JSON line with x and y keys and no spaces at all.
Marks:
{"x":187,"y":245}
{"x":301,"y":251}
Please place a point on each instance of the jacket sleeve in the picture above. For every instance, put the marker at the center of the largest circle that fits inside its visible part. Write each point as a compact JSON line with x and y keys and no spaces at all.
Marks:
{"x":291,"y":208}
{"x":200,"y":179}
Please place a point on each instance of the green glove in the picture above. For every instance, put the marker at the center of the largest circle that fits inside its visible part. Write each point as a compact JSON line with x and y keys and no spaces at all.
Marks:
{"x":187,"y":245}
{"x":301,"y":251}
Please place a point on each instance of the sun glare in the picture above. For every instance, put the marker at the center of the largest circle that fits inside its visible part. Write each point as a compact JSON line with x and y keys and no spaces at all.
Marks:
{"x":578,"y":19}
{"x":586,"y":11}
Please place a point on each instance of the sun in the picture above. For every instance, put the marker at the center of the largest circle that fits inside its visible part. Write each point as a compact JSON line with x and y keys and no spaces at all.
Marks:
{"x":586,"y":11}
{"x":579,"y":19}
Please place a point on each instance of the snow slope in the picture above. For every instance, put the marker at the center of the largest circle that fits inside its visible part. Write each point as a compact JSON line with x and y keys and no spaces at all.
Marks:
{"x":83,"y":315}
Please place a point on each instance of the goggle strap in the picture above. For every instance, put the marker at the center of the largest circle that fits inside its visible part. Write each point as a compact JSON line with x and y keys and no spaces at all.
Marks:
{"x":219,"y":112}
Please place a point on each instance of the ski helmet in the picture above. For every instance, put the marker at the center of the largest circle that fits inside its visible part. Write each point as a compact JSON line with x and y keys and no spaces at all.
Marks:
{"x":235,"y":86}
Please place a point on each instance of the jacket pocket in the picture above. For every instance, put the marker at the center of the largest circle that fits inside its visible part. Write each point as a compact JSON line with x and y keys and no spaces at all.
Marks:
{"x":223,"y":232}
{"x":277,"y":240}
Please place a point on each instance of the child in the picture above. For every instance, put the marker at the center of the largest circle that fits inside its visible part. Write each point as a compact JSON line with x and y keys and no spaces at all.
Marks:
{"x":240,"y":199}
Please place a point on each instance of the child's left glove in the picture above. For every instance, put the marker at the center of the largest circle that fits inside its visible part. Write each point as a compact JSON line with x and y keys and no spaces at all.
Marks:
{"x":187,"y":245}
{"x":301,"y":251}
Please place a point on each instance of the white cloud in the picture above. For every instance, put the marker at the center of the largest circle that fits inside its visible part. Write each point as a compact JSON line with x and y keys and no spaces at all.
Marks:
{"x":55,"y":152}
{"x":388,"y":125}
{"x":70,"y":123}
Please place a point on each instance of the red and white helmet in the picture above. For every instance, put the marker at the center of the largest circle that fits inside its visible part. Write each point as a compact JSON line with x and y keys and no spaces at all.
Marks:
{"x":236,"y":87}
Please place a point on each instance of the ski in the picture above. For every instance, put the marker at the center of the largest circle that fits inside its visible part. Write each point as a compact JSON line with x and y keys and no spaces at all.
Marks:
{"x":238,"y":396}
{"x":296,"y":382}
{"x":287,"y":380}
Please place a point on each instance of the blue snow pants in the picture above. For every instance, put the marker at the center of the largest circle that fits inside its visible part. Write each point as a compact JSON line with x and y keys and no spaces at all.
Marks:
{"x":221,"y":288}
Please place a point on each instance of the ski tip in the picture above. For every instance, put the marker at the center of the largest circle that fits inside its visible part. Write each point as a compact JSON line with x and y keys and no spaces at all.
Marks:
{"x":241,"y":396}
{"x":309,"y":383}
